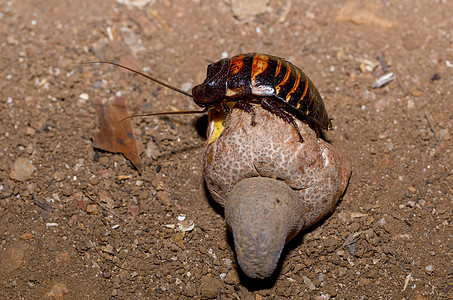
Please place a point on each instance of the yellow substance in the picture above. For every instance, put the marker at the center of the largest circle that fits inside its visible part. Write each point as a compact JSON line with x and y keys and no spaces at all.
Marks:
{"x":216,"y":122}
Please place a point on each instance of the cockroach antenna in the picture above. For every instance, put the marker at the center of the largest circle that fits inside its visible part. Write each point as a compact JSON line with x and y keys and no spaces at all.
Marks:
{"x":181,"y":112}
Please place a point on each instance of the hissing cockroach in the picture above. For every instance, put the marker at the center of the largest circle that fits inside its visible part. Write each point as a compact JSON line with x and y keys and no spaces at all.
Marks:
{"x":278,"y":85}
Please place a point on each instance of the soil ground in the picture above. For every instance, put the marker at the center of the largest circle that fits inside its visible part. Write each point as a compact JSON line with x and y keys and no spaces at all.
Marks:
{"x":391,"y":234}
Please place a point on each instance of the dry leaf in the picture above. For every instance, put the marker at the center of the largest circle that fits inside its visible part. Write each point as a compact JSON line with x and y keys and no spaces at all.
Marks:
{"x":81,"y":205}
{"x":115,"y":136}
{"x":134,"y":210}
{"x":178,"y":239}
{"x":26,"y":236}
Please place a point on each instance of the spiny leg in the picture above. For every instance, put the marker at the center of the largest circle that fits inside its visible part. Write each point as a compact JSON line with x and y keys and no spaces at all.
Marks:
{"x":273,"y":107}
{"x":225,"y":107}
{"x":247,"y":107}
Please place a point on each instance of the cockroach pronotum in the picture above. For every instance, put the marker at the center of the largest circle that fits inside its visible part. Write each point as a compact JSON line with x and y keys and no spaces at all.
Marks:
{"x":278,"y":85}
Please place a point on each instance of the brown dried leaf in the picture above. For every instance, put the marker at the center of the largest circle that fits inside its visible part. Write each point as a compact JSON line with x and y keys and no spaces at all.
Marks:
{"x":134,"y":210}
{"x":115,"y":136}
{"x":26,"y":236}
{"x":178,"y":239}
{"x":81,"y":205}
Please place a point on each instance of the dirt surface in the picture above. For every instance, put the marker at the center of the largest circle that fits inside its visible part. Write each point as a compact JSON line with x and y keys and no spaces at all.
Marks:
{"x":87,"y":225}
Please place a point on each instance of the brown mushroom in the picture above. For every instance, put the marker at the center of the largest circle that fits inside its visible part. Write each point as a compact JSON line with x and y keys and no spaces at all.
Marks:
{"x":271,"y":185}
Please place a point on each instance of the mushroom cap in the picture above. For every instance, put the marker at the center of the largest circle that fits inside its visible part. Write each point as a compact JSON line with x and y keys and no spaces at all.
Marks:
{"x":316,"y":172}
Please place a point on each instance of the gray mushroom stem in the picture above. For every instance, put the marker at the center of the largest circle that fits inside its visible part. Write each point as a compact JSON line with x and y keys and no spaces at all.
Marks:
{"x":263,"y":233}
{"x":271,"y":185}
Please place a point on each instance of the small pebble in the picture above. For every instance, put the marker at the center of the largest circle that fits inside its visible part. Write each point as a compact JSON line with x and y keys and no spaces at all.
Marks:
{"x":308,"y":282}
{"x":186,"y":225}
{"x":22,"y":169}
{"x":341,"y":271}
{"x":30,"y":131}
{"x":411,"y":204}
{"x":370,"y":233}
{"x":449,"y":270}
{"x":330,"y":244}
{"x":84,"y":97}
{"x":410,"y":104}
{"x":375,"y":241}
{"x":232,"y":277}
{"x":444,"y":134}
{"x":388,"y":228}
{"x":83,"y":185}
{"x":355,"y":227}
{"x":353,"y":249}
{"x":59,"y":176}
{"x":308,"y":262}
{"x":412,"y":189}
{"x":92,"y":209}
{"x":383,"y":80}
{"x":67,"y":191}
{"x":209,"y":287}
{"x":94,"y":180}
{"x":408,"y":194}
{"x":363,"y":281}
{"x":228,"y":263}
{"x":108,"y":249}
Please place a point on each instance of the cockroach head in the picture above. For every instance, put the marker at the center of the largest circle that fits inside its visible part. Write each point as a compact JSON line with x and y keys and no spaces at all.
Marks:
{"x":215,"y":85}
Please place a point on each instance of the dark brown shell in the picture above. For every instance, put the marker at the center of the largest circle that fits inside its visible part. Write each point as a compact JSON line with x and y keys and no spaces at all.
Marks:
{"x":262,"y":75}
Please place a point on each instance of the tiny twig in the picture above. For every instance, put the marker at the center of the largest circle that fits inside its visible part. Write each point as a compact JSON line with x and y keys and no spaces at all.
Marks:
{"x":122,"y":219}
{"x":405,"y":92}
{"x":429,"y":118}
{"x":383,"y":63}
{"x":159,"y":19}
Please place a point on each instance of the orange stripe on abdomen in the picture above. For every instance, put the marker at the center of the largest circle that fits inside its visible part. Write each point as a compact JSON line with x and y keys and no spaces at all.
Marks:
{"x":260,"y":63}
{"x":236,"y":64}
{"x":284,"y":80}
{"x":294,"y":88}
{"x":307,"y":83}
{"x":279,"y":67}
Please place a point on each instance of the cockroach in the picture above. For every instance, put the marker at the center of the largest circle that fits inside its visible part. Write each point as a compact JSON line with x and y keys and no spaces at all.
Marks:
{"x":278,"y":85}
